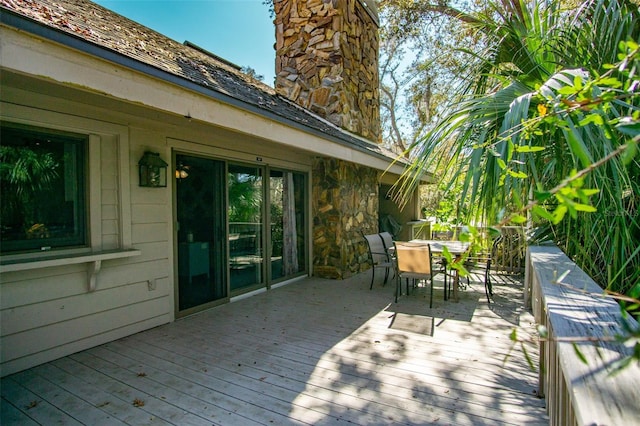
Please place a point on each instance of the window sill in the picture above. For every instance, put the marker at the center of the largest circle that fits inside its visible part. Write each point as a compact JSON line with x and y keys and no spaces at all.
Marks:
{"x":93,"y":258}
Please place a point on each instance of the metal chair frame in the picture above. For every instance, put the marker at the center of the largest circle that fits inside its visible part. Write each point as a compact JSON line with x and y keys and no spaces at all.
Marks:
{"x":486,"y":260}
{"x":379,"y":256}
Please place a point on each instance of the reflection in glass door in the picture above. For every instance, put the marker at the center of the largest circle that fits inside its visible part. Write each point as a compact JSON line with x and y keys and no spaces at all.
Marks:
{"x":287,"y":212}
{"x":245,"y":185}
{"x":201,"y":235}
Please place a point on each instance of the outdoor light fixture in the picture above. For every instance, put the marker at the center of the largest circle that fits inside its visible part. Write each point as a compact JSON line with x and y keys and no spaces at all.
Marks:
{"x":182,"y":171}
{"x":153,"y":170}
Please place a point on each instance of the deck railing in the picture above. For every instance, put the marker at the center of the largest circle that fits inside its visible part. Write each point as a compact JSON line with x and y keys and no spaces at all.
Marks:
{"x":574,"y":310}
{"x":510,"y":257}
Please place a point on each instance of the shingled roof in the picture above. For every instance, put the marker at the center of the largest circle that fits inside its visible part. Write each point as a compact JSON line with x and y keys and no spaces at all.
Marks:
{"x":104,"y":33}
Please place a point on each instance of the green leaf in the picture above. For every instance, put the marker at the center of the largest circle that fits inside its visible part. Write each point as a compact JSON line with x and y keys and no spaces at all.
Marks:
{"x":447,"y":255}
{"x":543,"y":213}
{"x":577,"y":145}
{"x":592,"y":119}
{"x":577,"y":82}
{"x":517,"y":175}
{"x":584,"y":208}
{"x":527,"y":357}
{"x":527,"y":148}
{"x":629,"y":153}
{"x":542,"y":196}
{"x":501,"y":163}
{"x":579,"y":354}
{"x":516,"y":218}
{"x":559,"y":213}
{"x":510,"y":148}
{"x":459,"y":266}
{"x":589,"y":192}
{"x":610,"y":82}
{"x":514,"y":335}
{"x":567,"y":90}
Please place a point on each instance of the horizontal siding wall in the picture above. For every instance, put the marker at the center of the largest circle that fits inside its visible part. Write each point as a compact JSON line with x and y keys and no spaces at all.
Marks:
{"x":50,"y":312}
{"x":110,"y":199}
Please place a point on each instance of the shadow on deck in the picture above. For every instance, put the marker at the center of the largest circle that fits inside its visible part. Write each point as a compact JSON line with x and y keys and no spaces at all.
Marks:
{"x":314,"y":352}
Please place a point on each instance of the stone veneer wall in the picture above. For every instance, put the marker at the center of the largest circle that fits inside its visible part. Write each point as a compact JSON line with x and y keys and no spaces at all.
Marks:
{"x":327,"y":61}
{"x":345,"y":205}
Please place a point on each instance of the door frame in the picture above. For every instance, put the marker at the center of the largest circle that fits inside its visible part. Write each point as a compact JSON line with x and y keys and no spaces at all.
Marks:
{"x":268,"y":282}
{"x":174,"y":207}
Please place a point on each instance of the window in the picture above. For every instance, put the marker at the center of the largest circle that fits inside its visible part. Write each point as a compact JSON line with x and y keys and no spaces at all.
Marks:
{"x":43,"y":187}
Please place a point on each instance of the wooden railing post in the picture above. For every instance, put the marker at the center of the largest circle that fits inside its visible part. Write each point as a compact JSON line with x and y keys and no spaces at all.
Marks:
{"x":576,"y":314}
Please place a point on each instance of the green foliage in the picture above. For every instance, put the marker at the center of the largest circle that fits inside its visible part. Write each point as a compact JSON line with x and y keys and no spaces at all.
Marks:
{"x":546,"y":131}
{"x":25,"y":175}
{"x":441,"y":202}
{"x":27,"y":170}
{"x":245,"y":192}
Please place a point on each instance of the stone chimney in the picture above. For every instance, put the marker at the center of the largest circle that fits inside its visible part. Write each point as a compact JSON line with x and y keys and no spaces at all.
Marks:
{"x":327,"y":60}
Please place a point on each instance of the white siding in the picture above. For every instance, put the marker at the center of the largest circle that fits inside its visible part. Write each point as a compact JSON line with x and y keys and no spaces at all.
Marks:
{"x":49,"y":312}
{"x":110,"y":200}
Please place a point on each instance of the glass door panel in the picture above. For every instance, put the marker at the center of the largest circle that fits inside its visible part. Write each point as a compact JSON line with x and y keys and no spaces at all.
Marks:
{"x":287,"y":230}
{"x":201,"y":236}
{"x":245,"y":211}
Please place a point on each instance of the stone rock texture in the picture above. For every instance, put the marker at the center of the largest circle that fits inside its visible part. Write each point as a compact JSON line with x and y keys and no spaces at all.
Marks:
{"x":327,"y":61}
{"x":345,"y":206}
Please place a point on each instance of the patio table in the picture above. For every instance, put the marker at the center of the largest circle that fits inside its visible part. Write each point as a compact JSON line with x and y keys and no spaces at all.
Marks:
{"x":456,"y":248}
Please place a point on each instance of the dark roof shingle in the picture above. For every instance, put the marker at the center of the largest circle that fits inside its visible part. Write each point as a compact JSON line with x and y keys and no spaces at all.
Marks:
{"x":105,"y":29}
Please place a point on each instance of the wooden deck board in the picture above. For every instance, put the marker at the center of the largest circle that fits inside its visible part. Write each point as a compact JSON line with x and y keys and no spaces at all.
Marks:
{"x":32,"y":404}
{"x":82,"y":411}
{"x":12,"y":416}
{"x":72,"y":381}
{"x":315,"y":352}
{"x":291,"y":375}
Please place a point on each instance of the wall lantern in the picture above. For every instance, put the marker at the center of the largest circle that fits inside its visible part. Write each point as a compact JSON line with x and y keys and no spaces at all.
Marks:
{"x":153,"y":170}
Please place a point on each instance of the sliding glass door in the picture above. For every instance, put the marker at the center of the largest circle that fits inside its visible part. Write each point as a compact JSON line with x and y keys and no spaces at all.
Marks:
{"x":245,"y":209}
{"x":201,"y":231}
{"x":287,"y":231}
{"x":239,"y":228}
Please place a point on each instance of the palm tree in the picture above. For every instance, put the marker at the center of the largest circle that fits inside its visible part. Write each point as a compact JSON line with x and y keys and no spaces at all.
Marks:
{"x":539,"y":105}
{"x":25,"y":175}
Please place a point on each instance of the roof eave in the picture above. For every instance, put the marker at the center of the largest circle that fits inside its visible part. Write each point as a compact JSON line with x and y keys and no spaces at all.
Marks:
{"x":28,"y":25}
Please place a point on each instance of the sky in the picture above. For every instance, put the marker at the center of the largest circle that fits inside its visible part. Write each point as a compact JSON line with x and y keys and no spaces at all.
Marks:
{"x":240,"y":31}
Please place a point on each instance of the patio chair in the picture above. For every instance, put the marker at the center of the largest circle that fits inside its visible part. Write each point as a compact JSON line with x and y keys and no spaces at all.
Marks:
{"x":387,"y":240}
{"x":379,"y":256}
{"x":483,"y":260}
{"x":413,"y":261}
{"x":442,"y":235}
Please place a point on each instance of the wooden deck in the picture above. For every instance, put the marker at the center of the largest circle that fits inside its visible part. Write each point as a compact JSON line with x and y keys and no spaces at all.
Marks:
{"x":317,"y":352}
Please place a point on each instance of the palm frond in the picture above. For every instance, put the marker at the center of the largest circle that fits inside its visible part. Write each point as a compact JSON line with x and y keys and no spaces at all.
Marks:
{"x":517,"y":127}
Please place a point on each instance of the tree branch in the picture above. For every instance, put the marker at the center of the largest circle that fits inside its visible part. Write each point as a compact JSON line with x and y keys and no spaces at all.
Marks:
{"x":427,"y":7}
